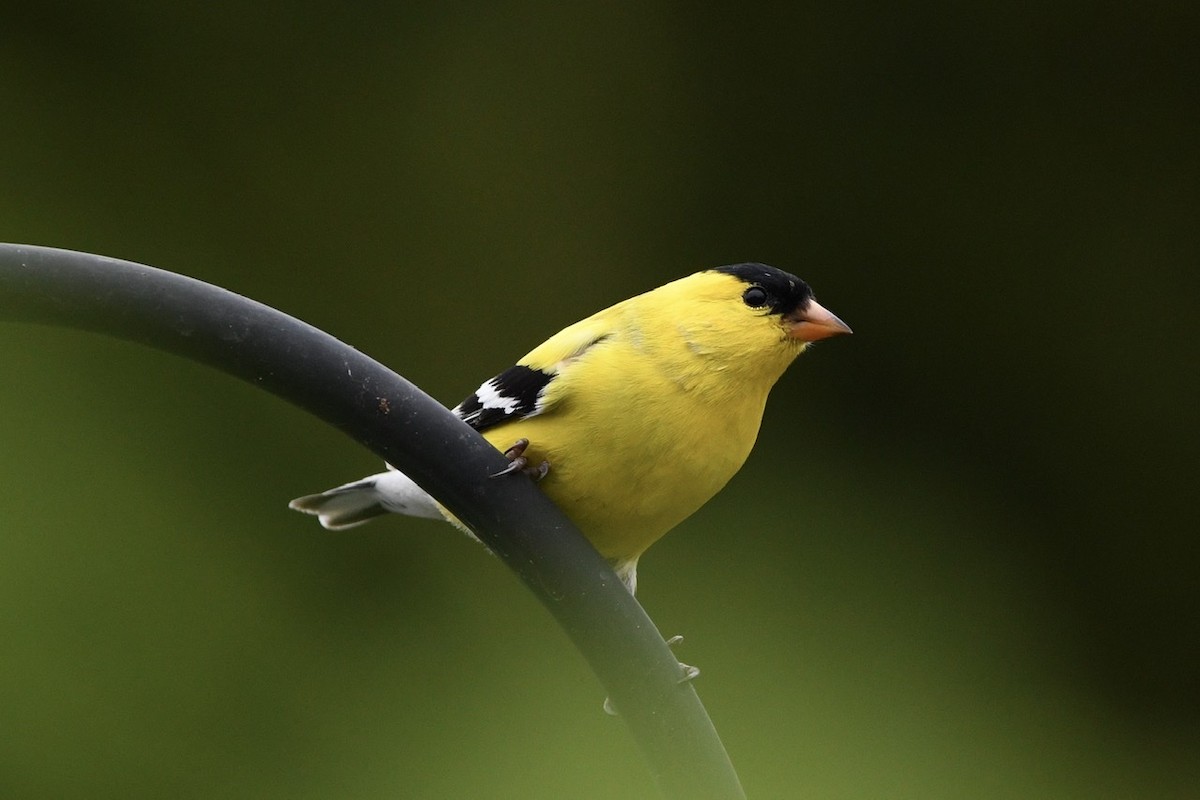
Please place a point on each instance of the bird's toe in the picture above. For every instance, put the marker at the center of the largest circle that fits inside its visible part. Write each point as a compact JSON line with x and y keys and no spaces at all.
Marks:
{"x":517,"y":462}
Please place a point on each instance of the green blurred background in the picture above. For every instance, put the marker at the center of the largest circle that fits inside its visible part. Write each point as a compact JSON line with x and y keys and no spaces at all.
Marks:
{"x":962,"y":561}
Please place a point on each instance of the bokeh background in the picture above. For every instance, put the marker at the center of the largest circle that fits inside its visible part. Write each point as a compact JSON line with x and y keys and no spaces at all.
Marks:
{"x":962,"y":561}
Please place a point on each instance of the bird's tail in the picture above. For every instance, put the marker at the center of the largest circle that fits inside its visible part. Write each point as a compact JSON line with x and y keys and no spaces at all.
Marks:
{"x":361,"y":501}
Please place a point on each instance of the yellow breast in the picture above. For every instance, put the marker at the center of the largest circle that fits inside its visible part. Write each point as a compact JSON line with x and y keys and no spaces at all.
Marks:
{"x":633,"y":449}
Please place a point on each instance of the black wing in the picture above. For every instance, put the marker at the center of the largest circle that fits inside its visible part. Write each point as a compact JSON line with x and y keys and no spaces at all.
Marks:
{"x":514,"y":394}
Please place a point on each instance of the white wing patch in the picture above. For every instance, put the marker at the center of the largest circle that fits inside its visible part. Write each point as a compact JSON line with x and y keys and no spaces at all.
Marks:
{"x":491,"y":398}
{"x":514,"y":394}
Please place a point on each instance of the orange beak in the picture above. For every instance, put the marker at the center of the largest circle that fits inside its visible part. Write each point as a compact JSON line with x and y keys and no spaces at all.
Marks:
{"x":813,"y":323}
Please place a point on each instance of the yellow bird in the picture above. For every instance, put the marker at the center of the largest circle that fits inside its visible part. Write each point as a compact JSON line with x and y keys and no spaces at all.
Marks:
{"x":635,"y":416}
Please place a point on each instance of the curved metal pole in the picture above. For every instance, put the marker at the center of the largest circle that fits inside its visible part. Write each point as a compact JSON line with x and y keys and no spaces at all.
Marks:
{"x":404,"y":426}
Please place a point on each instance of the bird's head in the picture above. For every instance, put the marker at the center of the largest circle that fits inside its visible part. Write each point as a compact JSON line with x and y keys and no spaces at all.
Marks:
{"x":783,"y":304}
{"x":747,"y":319}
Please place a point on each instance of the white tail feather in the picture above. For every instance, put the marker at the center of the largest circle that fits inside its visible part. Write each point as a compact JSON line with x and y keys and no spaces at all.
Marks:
{"x":358,"y":502}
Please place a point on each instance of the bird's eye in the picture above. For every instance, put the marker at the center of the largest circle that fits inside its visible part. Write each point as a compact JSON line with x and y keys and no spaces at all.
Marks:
{"x":755,"y":297}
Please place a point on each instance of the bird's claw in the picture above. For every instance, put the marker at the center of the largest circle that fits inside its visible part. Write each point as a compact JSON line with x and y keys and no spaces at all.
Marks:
{"x":515,"y":465}
{"x":517,"y":450}
{"x":519,"y":463}
{"x":690,"y":673}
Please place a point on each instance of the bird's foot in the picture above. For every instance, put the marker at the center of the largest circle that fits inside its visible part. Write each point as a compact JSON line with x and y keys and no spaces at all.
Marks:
{"x":689,"y":673}
{"x":517,"y":462}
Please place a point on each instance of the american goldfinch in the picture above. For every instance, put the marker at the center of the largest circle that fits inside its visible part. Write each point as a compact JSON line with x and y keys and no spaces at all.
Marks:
{"x":633,"y":417}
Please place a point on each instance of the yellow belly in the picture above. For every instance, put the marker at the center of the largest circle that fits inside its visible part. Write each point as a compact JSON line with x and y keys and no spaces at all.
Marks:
{"x":627,"y":480}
